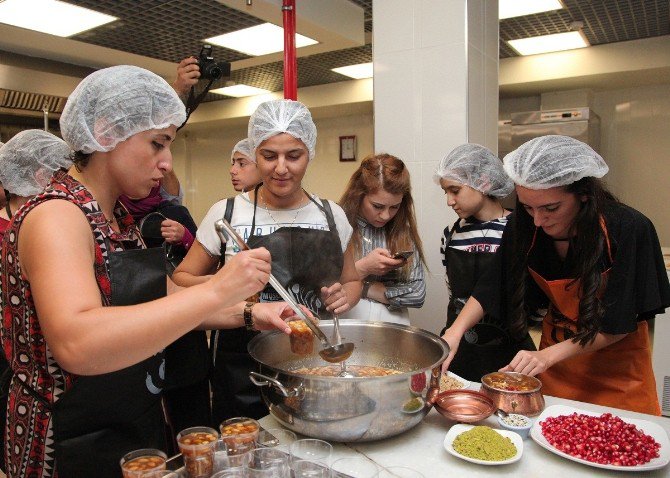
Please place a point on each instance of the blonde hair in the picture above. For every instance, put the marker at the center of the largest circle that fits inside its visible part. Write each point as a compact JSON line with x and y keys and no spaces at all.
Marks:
{"x":388,"y":173}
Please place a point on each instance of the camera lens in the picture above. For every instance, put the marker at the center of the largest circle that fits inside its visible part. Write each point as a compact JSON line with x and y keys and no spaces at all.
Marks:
{"x":214,"y":71}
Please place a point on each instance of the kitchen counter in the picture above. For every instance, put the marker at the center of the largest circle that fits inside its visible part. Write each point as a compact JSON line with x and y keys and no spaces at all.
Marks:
{"x":422,"y":448}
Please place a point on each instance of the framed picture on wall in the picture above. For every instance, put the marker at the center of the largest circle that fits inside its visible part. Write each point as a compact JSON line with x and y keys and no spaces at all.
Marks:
{"x":347,"y":148}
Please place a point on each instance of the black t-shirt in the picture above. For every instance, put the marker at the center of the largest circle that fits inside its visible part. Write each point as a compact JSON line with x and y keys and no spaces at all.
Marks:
{"x":637,"y":286}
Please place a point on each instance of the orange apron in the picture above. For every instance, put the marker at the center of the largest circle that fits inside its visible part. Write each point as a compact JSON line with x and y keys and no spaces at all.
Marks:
{"x":619,"y":375}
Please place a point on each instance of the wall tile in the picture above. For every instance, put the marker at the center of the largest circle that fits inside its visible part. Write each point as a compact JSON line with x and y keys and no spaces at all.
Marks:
{"x":491,"y":26}
{"x":394,"y":26}
{"x":476,"y":97}
{"x":440,"y":22}
{"x":491,"y":102}
{"x":476,"y":25}
{"x":396,"y":113}
{"x":433,"y":315}
{"x":443,"y":113}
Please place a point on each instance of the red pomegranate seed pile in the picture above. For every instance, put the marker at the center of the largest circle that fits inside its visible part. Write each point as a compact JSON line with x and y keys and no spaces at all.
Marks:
{"x":606,"y":439}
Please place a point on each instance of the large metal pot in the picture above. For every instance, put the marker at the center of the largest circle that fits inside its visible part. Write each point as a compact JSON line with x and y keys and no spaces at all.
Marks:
{"x":359,"y":408}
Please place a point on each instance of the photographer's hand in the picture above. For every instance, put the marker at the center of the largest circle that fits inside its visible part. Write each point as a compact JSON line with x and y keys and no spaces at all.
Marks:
{"x":188,"y":73}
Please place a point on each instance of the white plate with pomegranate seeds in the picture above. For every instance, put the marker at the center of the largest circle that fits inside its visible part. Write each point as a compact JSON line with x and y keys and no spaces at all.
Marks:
{"x":654,"y":430}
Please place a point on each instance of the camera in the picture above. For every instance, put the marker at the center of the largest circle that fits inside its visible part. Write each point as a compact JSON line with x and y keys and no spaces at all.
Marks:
{"x":209,"y":68}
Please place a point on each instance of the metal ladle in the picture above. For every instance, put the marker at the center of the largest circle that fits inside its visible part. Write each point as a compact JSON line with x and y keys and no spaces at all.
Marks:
{"x":338,"y":339}
{"x":330,"y":353}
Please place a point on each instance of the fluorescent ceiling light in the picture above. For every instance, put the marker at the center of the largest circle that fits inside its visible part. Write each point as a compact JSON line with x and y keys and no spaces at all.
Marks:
{"x":518,"y":8}
{"x":238,"y":91}
{"x":549,"y":43}
{"x":51,"y":16}
{"x":362,"y":70}
{"x":258,"y":40}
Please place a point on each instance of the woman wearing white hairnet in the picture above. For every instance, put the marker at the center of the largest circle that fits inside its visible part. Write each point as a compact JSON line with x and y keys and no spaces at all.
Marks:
{"x":82,"y":330}
{"x":594,"y":261}
{"x":307,"y":236}
{"x":27,"y":162}
{"x":474,"y":182}
{"x":243,"y":171}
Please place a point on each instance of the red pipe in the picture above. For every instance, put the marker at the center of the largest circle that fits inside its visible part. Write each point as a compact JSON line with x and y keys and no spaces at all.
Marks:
{"x":290,"y":58}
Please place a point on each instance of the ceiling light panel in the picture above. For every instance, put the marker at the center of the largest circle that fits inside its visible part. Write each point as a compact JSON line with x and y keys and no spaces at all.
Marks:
{"x":259,"y":40}
{"x":238,"y":91}
{"x":519,"y":8}
{"x":360,"y":71}
{"x":51,"y":16}
{"x":549,"y":43}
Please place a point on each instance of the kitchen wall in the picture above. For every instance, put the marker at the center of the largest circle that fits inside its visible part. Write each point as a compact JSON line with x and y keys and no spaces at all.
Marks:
{"x":635,"y":142}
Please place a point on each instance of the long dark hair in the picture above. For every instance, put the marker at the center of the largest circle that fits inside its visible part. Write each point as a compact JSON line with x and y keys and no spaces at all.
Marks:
{"x":388,"y":173}
{"x":587,"y":245}
{"x":80,"y":160}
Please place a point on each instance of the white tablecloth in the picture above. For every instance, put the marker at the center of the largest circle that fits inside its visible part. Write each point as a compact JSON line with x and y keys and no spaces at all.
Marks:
{"x":422,"y":448}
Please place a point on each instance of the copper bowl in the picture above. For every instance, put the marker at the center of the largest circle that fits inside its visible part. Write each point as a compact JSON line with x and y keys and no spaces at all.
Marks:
{"x":464,"y":406}
{"x":514,"y":392}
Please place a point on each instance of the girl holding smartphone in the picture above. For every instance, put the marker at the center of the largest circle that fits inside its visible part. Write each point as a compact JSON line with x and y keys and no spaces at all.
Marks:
{"x":389,"y":255}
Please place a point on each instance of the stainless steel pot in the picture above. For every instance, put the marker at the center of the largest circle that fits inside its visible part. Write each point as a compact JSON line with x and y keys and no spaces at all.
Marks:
{"x":359,"y":408}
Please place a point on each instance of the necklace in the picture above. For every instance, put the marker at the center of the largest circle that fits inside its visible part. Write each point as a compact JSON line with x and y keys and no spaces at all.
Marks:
{"x":488,"y":229}
{"x":267,"y":208}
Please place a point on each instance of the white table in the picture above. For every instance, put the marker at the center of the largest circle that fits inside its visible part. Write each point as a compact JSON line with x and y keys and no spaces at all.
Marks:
{"x":422,"y":448}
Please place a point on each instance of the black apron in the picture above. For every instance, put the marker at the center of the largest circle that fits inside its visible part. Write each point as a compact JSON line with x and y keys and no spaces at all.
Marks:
{"x":186,"y":390}
{"x":303,"y":261}
{"x":487,"y":346}
{"x":103,"y":417}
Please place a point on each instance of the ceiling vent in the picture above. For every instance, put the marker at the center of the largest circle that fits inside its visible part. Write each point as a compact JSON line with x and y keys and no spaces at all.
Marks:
{"x":21,"y":103}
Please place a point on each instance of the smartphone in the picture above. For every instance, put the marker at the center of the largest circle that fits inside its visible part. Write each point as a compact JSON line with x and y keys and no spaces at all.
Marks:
{"x":402,"y":255}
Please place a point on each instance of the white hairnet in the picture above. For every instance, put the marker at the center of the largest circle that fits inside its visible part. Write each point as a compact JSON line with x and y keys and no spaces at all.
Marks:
{"x":551,"y":161}
{"x":282,"y":116}
{"x":113,"y":104}
{"x":243,"y":146}
{"x":477,"y":167}
{"x":29,"y":159}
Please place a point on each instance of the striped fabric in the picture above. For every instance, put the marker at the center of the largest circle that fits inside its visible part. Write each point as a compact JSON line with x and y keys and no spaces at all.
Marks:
{"x":472,"y":235}
{"x":400,"y":294}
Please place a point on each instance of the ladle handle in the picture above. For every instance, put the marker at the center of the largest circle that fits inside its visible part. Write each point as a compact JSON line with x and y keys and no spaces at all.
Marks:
{"x":222,"y":226}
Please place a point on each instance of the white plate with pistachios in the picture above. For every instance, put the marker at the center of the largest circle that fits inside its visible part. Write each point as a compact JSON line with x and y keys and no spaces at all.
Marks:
{"x":480,"y":443}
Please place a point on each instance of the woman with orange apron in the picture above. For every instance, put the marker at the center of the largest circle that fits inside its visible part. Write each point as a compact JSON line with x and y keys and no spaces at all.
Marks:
{"x":619,"y":375}
{"x":595,"y":262}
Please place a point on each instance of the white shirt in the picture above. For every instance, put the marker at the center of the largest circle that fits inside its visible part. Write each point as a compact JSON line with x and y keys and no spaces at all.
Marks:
{"x":267,"y":222}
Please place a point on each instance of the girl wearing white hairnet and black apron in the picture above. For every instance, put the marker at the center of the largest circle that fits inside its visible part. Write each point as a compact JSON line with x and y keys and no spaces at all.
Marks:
{"x":474,"y":182}
{"x":308,"y":238}
{"x":593,"y":261}
{"x":85,"y":320}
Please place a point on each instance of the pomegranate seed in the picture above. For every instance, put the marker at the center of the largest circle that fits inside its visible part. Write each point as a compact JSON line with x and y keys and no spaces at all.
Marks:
{"x":604,"y":439}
